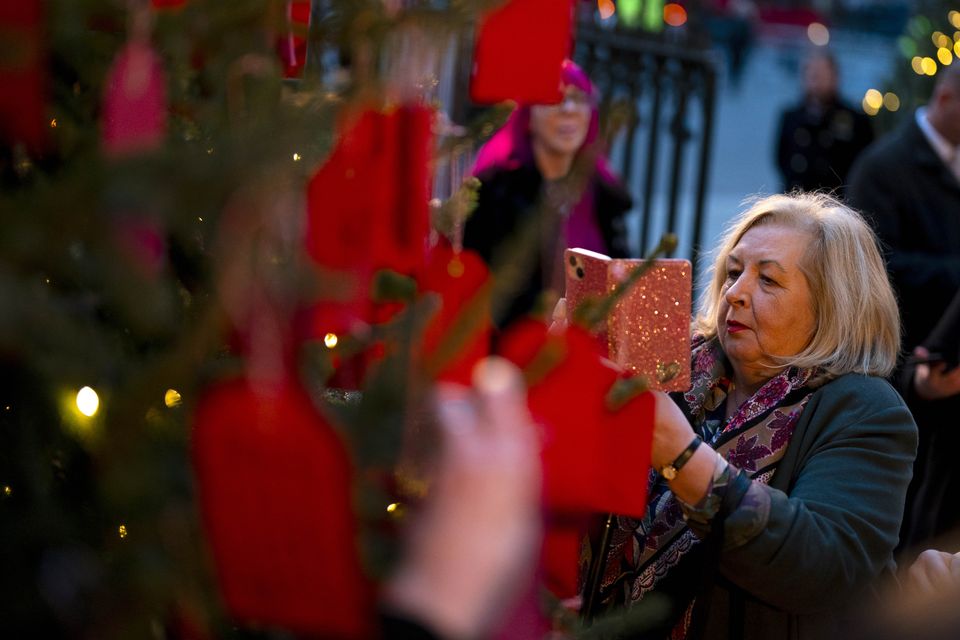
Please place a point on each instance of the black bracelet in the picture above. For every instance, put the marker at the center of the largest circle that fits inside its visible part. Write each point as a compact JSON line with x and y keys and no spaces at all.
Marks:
{"x":670,"y":471}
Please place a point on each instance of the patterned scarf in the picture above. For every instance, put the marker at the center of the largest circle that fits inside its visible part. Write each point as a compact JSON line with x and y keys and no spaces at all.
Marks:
{"x":754,"y":439}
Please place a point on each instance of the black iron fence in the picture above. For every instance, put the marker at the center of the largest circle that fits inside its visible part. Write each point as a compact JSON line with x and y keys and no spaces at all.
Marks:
{"x":658,"y":103}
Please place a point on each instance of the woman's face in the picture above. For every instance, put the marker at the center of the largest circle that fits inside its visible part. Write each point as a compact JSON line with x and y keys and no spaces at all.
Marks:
{"x":560,"y":129}
{"x":766,"y":308}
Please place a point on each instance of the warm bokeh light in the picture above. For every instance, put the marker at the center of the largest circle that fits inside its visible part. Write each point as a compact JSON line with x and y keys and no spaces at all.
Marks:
{"x":929,"y":66}
{"x":874,"y":99}
{"x":296,"y":157}
{"x":917,"y":64}
{"x":944,"y":56}
{"x":53,"y":123}
{"x":940,"y":39}
{"x":868,"y":108}
{"x":954,"y":17}
{"x":330,"y":340}
{"x":606,"y":8}
{"x":7,"y":491}
{"x":891,"y":102}
{"x":122,"y":530}
{"x":956,"y":48}
{"x":172,"y":398}
{"x":88,"y":402}
{"x":674,"y":14}
{"x":818,"y":34}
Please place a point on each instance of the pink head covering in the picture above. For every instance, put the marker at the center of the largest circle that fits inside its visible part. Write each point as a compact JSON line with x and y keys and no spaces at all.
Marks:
{"x":511,"y":147}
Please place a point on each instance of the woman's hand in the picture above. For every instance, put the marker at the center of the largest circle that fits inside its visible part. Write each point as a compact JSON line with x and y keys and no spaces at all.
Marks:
{"x":934,"y":572}
{"x":672,"y":432}
{"x":671,"y":435}
{"x":559,"y":323}
{"x":932,"y":381}
{"x":474,"y":547}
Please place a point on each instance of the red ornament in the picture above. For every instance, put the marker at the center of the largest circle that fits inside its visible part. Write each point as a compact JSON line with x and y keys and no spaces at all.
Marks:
{"x":22,"y":91}
{"x":367,"y":208}
{"x":274,"y":484}
{"x":168,"y":4}
{"x":520,"y":47}
{"x":595,"y":459}
{"x":463,"y":282}
{"x":134,"y":101}
{"x":292,"y":47}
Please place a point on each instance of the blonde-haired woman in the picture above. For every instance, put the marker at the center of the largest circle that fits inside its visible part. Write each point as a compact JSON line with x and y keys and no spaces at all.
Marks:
{"x":783,"y":470}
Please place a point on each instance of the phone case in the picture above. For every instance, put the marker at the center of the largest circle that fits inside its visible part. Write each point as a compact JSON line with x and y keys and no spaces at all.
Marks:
{"x":648,"y":330}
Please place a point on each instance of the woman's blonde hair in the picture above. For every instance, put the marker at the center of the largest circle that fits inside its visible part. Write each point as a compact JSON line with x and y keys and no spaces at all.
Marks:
{"x":857,"y":320}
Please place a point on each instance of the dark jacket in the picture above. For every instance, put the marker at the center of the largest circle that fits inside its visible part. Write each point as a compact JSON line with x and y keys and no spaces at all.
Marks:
{"x":507,"y":204}
{"x":816,"y":147}
{"x":836,"y":503}
{"x":913,"y":202}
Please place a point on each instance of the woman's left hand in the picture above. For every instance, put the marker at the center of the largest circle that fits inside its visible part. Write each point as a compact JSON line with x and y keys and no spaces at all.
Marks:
{"x":672,"y":433}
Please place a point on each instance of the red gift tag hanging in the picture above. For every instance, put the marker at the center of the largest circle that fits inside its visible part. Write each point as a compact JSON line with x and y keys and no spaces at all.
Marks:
{"x":274,"y":485}
{"x":596,"y":459}
{"x":367,"y":208}
{"x":22,"y":80}
{"x":167,"y":4}
{"x":292,"y":45}
{"x":519,"y":49}
{"x":458,"y":336}
{"x":134,"y":101}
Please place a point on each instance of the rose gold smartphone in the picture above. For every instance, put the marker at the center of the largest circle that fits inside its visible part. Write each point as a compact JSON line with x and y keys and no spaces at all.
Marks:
{"x":648,"y":329}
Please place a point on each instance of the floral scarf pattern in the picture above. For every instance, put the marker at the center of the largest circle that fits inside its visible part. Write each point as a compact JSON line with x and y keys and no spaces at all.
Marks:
{"x":754,"y":439}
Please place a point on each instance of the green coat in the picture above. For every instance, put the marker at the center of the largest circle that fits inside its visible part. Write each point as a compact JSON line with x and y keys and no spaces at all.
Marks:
{"x":836,"y":504}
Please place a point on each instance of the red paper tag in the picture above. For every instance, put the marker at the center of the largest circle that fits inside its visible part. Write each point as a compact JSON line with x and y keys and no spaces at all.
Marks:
{"x":367,"y":209}
{"x":134,"y":102}
{"x":458,"y":336}
{"x":22,"y":95}
{"x":274,"y":484}
{"x":595,"y":459}
{"x":519,"y":50}
{"x":292,"y":46}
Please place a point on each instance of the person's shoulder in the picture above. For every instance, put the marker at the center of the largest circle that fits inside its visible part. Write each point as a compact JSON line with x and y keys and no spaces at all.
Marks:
{"x":861,"y":395}
{"x":889,"y":146}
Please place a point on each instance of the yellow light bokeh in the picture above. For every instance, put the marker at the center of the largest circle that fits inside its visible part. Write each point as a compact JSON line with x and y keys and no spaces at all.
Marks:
{"x":122,"y":531}
{"x":7,"y":491}
{"x":940,"y":39}
{"x":296,"y":157}
{"x":874,"y":99}
{"x":956,"y":48}
{"x":917,"y":64}
{"x":891,"y":102}
{"x":392,"y":507}
{"x":53,"y":123}
{"x":929,"y":66}
{"x":606,"y":8}
{"x":818,"y":34}
{"x":88,"y":402}
{"x":172,"y":398}
{"x":330,"y":340}
{"x":944,"y":56}
{"x":954,"y":17}
{"x":868,"y":108}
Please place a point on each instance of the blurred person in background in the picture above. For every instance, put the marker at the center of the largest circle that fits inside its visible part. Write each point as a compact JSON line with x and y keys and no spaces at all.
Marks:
{"x":546,"y":185}
{"x":908,"y":186}
{"x":820,"y":137}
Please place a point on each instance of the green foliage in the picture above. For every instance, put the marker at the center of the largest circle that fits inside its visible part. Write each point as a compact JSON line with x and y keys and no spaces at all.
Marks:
{"x":913,"y":89}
